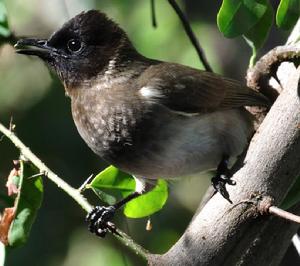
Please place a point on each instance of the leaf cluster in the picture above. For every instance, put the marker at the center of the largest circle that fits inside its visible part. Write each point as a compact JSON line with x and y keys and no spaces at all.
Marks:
{"x":253,"y":19}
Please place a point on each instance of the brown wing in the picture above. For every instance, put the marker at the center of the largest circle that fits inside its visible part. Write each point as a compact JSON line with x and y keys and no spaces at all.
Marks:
{"x":186,"y":89}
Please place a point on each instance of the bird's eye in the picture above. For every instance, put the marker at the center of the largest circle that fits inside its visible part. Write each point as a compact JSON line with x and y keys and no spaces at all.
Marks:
{"x":74,"y":45}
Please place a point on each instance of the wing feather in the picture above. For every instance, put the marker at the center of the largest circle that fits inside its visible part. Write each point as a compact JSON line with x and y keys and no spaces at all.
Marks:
{"x":186,"y":89}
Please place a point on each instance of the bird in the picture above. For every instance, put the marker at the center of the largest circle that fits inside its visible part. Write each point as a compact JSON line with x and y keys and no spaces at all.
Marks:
{"x":150,"y":118}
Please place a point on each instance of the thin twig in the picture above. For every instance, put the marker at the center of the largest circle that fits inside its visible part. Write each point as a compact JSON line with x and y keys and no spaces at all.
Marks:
{"x":11,"y":124}
{"x":153,"y":15}
{"x":25,"y":151}
{"x":36,"y":175}
{"x":284,"y":214}
{"x":72,"y":192}
{"x":191,"y":35}
{"x":83,"y":186}
{"x":265,"y":206}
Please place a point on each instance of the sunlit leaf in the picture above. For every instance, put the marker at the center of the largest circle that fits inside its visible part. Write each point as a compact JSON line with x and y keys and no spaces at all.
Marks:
{"x":112,"y":180}
{"x":257,"y":35}
{"x":27,"y":204}
{"x":288,"y":13}
{"x":237,"y":17}
{"x":149,"y":202}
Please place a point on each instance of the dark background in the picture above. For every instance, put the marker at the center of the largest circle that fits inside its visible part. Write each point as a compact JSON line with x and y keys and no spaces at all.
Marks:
{"x":36,"y":101}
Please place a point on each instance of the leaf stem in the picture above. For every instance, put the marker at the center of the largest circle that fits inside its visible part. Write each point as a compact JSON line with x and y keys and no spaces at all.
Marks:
{"x":72,"y":192}
{"x":253,"y":57}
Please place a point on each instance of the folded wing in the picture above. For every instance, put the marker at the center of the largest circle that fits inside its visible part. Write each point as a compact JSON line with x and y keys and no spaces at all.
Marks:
{"x":185,"y":89}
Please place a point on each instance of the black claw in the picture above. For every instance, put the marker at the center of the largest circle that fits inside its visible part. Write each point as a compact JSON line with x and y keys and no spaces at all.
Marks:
{"x":99,"y":220}
{"x":231,"y":182}
{"x":99,"y":217}
{"x":219,"y":183}
{"x":222,"y":178}
{"x":101,"y":232}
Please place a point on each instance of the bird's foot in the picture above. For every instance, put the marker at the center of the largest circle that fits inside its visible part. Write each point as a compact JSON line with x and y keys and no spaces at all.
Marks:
{"x":219,"y":183}
{"x":99,"y":220}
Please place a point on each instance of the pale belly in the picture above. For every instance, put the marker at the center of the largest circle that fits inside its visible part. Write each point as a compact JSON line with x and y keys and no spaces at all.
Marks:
{"x":195,"y":145}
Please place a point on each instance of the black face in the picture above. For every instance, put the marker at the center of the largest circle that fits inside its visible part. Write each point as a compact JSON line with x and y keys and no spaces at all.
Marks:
{"x":80,"y":49}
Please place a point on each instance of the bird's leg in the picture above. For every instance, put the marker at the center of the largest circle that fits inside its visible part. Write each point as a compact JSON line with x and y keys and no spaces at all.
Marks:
{"x":222,"y":178}
{"x":99,"y":218}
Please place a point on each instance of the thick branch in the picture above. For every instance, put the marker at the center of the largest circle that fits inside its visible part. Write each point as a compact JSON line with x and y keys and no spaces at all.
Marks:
{"x":222,"y":234}
{"x":258,"y":77}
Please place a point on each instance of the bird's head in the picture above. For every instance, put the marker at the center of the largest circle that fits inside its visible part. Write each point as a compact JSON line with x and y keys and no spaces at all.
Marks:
{"x":82,"y":48}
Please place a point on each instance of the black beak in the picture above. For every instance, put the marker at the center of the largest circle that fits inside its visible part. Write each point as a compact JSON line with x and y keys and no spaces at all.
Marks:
{"x":37,"y":47}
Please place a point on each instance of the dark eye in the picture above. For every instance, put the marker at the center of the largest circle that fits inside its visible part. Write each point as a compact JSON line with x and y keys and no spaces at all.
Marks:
{"x":74,"y":45}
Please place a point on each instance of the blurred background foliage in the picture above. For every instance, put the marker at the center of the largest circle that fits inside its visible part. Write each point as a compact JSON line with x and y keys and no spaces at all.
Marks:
{"x":35,"y":99}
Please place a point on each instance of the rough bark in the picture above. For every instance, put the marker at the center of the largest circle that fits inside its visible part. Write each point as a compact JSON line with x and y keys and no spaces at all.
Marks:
{"x":225,"y":234}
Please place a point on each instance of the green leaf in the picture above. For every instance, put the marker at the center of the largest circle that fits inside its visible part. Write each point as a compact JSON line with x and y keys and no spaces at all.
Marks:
{"x":4,"y":29}
{"x":113,"y":180}
{"x":237,"y":17}
{"x":105,"y":197}
{"x":257,"y":35}
{"x":27,"y":204}
{"x":293,"y":196}
{"x":288,"y":13}
{"x":149,"y":202}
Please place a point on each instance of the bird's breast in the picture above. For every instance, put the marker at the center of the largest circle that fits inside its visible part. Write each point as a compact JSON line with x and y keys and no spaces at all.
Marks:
{"x":107,"y":124}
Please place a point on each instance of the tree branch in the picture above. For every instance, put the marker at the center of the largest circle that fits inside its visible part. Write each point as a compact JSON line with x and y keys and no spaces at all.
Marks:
{"x":72,"y":192}
{"x":25,"y":151}
{"x":258,"y":77}
{"x":222,"y":234}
